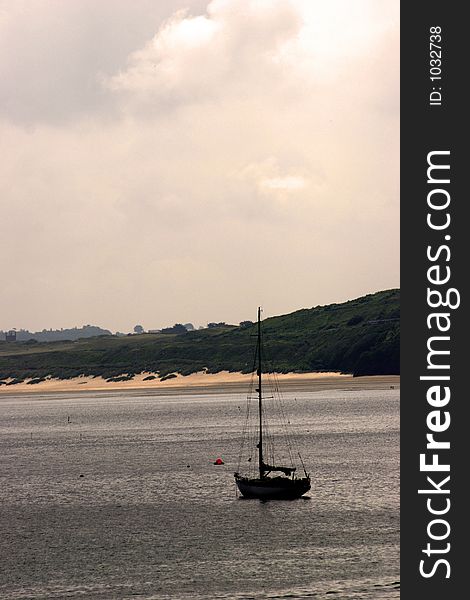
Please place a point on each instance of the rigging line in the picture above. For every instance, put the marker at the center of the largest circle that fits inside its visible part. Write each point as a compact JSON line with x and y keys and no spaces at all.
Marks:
{"x":283,"y":450}
{"x":303,"y":466}
{"x":253,"y":431}
{"x":273,"y":383}
{"x":247,"y":413}
{"x":245,"y":427}
{"x":283,"y":419}
{"x":269,"y":445}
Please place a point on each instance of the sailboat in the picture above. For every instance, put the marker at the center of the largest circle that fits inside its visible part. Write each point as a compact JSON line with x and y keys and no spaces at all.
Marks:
{"x":267,"y":481}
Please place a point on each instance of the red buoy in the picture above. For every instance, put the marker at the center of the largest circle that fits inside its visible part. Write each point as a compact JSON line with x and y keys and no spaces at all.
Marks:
{"x":218,"y":461}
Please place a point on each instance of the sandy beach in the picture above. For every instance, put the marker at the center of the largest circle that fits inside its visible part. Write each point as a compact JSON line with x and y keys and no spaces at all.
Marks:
{"x":204,"y":381}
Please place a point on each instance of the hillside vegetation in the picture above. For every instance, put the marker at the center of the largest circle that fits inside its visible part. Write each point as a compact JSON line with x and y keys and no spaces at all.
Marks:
{"x":54,"y":335}
{"x":360,"y":337}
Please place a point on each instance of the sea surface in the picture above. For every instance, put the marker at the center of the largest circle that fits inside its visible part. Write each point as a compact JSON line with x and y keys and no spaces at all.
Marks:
{"x":114,"y":495}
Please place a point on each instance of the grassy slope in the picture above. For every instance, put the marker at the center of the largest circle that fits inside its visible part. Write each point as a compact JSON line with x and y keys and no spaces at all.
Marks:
{"x":337,"y":337}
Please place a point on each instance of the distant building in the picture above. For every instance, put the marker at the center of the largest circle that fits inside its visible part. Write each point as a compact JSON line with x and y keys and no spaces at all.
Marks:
{"x":10,"y":336}
{"x":177,"y":328}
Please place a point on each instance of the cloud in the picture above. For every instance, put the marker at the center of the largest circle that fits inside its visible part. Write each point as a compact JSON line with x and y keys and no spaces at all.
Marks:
{"x":289,"y":183}
{"x":205,"y":58}
{"x":188,"y":164}
{"x":54,"y":54}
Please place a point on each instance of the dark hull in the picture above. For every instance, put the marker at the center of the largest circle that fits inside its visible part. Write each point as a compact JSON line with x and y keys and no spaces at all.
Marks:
{"x":273,"y":488}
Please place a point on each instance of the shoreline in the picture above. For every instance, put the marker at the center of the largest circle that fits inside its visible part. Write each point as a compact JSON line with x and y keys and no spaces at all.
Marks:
{"x":200,"y":381}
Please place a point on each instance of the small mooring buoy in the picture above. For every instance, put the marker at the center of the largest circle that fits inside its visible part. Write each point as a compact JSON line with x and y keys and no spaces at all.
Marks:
{"x":218,"y":461}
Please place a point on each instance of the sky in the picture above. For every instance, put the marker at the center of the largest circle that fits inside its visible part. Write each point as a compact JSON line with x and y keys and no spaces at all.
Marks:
{"x":188,"y":161}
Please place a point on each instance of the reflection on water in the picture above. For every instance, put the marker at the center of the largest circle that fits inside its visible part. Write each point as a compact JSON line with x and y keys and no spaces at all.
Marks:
{"x":115,"y":495}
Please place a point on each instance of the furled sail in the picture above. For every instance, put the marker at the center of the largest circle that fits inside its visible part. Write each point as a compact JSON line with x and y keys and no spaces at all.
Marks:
{"x":269,"y":469}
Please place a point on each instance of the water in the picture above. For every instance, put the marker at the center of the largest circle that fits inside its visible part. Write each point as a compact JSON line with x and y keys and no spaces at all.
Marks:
{"x":153,"y":518}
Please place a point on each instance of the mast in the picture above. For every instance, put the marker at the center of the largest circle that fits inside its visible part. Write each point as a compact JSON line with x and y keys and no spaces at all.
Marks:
{"x":260,"y":443}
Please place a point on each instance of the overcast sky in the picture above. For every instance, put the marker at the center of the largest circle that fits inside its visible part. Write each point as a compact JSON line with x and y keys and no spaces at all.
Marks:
{"x":173,"y":161}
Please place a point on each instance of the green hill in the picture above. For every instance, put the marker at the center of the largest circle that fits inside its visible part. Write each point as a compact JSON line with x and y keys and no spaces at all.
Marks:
{"x":360,"y":337}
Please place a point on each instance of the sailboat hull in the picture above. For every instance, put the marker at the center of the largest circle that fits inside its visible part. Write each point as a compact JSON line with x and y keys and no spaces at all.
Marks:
{"x":272,"y":488}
